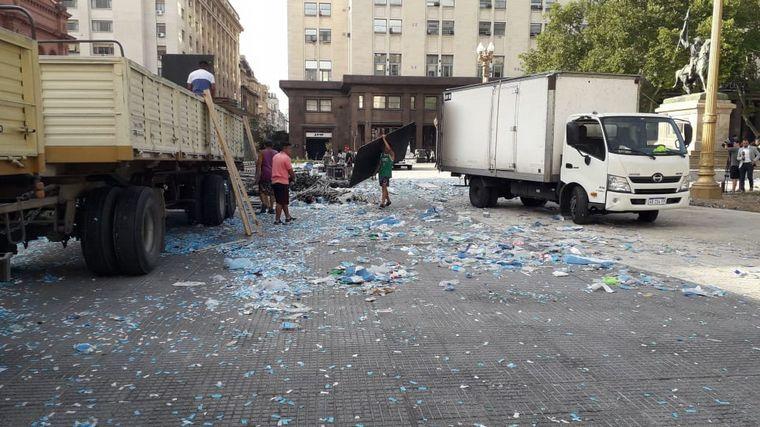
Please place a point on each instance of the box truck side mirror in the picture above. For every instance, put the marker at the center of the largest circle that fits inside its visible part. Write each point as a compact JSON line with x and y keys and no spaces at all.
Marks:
{"x":573,"y":134}
{"x":688,"y":133}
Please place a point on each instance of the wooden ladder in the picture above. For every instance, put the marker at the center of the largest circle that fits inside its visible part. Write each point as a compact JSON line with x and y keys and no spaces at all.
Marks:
{"x":248,"y":213}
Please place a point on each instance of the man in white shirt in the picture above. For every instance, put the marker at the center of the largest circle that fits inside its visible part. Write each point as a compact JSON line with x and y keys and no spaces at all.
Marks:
{"x":202,"y":79}
{"x":746,"y":157}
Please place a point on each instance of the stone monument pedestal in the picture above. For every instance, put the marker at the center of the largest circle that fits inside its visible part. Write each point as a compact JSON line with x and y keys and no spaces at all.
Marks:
{"x":692,"y":108}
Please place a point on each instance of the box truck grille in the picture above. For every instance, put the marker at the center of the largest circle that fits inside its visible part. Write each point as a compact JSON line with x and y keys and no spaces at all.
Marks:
{"x":655,"y":191}
{"x":650,"y":180}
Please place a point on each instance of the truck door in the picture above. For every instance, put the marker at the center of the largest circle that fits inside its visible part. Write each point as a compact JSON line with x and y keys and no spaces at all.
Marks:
{"x":584,"y":158}
{"x":505,"y":128}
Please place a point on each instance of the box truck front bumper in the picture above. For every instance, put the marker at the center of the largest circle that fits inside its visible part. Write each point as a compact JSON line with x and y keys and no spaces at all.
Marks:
{"x":626,"y":202}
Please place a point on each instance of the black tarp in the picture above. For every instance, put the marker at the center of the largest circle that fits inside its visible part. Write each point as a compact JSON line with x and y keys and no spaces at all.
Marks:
{"x":368,"y":157}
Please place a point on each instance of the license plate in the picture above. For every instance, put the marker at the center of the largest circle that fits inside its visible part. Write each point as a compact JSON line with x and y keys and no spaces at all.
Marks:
{"x":659,"y":201}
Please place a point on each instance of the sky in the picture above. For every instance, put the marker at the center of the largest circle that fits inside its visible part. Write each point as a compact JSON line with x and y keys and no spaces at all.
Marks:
{"x":264,"y":41}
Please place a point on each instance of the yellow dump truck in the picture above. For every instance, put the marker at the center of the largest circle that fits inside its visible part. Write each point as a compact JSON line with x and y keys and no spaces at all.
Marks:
{"x":97,"y":149}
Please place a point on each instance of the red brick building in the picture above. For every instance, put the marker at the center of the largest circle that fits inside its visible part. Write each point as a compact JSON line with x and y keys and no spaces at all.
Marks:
{"x":50,"y":17}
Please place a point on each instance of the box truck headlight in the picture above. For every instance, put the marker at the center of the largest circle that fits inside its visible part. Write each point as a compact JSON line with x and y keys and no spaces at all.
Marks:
{"x":685,"y":185}
{"x":618,"y":184}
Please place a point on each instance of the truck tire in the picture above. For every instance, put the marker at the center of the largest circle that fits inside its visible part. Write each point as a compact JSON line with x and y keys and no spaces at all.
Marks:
{"x":230,"y":196}
{"x":532,"y":202}
{"x":97,"y":232}
{"x":480,"y":195}
{"x":213,"y":200}
{"x":139,"y":230}
{"x":648,"y":216}
{"x":579,"y":206}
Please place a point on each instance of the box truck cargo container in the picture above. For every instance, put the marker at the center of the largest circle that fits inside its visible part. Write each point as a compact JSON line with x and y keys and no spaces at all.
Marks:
{"x":97,"y":148}
{"x":574,"y":139}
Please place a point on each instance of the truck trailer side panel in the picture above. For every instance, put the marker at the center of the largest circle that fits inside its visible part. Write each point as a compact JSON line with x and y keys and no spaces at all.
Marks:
{"x":21,"y":151}
{"x":467,"y":124}
{"x":105,"y":110}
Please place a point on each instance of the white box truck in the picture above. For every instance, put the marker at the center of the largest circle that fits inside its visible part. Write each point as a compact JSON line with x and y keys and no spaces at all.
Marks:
{"x":570,"y":138}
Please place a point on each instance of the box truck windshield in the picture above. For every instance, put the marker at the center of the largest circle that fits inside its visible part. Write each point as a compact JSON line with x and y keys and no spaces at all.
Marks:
{"x":643,"y":136}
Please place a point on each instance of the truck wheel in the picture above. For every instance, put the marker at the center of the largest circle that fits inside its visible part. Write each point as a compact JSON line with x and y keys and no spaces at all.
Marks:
{"x":231,"y":202}
{"x":139,"y":230}
{"x":493,"y":198}
{"x":532,"y":202}
{"x":97,"y":231}
{"x":579,"y":206}
{"x":213,"y":200}
{"x":648,"y":216}
{"x":480,"y":195}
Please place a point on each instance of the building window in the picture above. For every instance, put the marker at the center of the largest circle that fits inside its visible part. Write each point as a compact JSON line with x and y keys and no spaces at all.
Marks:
{"x":380,"y":64}
{"x":312,"y":105}
{"x":161,"y":51}
{"x":325,"y":9}
{"x":447,"y":3}
{"x":380,"y":2}
{"x":69,"y":3}
{"x":325,"y":35}
{"x":432,"y":66}
{"x":433,"y":28}
{"x":433,"y":3}
{"x":536,"y":4}
{"x":549,"y":3}
{"x":485,"y":4}
{"x":497,"y":68}
{"x":394,"y":64}
{"x":395,"y":2}
{"x":310,"y":9}
{"x":73,"y":49}
{"x":447,"y":65}
{"x":499,"y":28}
{"x":413,"y":103}
{"x":311,"y":70}
{"x":394,"y":102}
{"x":447,"y":29}
{"x":361,"y":102}
{"x":395,"y":26}
{"x":484,"y":28}
{"x":72,"y":25}
{"x":325,"y":71}
{"x":378,"y":102}
{"x":431,"y":103}
{"x":102,"y":26}
{"x":100,"y":4}
{"x":102,"y":49}
{"x":311,"y":35}
{"x":160,"y":7}
{"x":535,"y":29}
{"x":500,"y":4}
{"x":161,"y":31}
{"x":325,"y":105}
{"x":381,"y":26}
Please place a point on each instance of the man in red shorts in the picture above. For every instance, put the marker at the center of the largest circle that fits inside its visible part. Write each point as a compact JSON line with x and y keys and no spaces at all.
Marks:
{"x":282,"y":175}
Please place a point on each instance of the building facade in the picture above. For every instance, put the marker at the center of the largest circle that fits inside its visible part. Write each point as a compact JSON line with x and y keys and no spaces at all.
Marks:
{"x":276,"y":117}
{"x":50,"y":19}
{"x":149,"y":29}
{"x":329,"y":116}
{"x":435,"y":38}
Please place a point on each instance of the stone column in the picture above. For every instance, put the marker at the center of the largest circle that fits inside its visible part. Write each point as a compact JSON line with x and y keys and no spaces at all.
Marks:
{"x":692,"y":109}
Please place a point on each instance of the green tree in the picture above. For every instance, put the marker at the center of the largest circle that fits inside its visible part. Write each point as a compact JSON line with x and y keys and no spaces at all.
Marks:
{"x":641,"y":37}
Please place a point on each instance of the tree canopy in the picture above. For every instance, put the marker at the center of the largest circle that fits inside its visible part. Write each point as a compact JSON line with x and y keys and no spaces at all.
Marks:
{"x":641,"y":37}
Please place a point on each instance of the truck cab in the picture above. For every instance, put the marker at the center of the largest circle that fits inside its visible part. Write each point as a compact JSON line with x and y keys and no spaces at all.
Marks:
{"x":635,"y":163}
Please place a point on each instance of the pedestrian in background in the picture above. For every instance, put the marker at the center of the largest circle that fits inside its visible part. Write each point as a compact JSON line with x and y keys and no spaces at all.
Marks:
{"x":264,"y":170}
{"x":732,"y":163}
{"x":747,"y":156}
{"x":385,"y":172}
{"x":282,"y":175}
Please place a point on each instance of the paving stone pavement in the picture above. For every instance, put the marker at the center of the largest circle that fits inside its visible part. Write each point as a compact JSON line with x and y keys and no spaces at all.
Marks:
{"x":519,"y":348}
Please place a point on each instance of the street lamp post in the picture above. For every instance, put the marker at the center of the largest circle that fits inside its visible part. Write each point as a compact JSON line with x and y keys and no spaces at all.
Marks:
{"x":706,"y":187}
{"x":485,"y":57}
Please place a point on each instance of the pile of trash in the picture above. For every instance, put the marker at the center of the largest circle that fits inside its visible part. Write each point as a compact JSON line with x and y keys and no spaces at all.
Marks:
{"x":375,"y":280}
{"x":324,"y":190}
